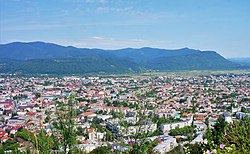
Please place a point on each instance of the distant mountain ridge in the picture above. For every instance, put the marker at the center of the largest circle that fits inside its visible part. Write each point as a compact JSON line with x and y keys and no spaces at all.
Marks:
{"x":40,"y":57}
{"x":245,"y":60}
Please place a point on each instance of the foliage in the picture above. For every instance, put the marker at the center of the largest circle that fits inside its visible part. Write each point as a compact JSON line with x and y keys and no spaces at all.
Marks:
{"x":19,"y":96}
{"x":218,"y":131}
{"x":45,"y":143}
{"x":109,"y":135}
{"x":177,"y":150}
{"x":238,"y":134}
{"x":65,"y":124}
{"x":143,"y":147}
{"x":162,"y":120}
{"x":101,"y":150}
{"x":72,"y":66}
{"x":116,"y":114}
{"x":243,"y":109}
{"x":25,"y":134}
{"x":181,"y":131}
{"x":9,"y":145}
{"x":150,"y":134}
{"x":233,"y":138}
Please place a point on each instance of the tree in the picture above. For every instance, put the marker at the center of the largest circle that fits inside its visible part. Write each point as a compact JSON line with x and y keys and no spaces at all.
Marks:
{"x":218,"y":130}
{"x":65,"y":124}
{"x":9,"y":145}
{"x":37,"y":95}
{"x":40,"y":141}
{"x":239,"y":135}
{"x":181,"y":131}
{"x":25,"y":134}
{"x":45,"y":143}
{"x":226,"y":138}
{"x":109,"y":135}
{"x":1,"y":148}
{"x":101,"y":150}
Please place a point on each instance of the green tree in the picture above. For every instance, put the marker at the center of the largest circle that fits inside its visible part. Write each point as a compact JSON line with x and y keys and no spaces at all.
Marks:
{"x":218,"y":130}
{"x":232,"y":138}
{"x":45,"y":143}
{"x":238,"y":134}
{"x":101,"y":150}
{"x":9,"y":145}
{"x":109,"y":135}
{"x":65,"y":124}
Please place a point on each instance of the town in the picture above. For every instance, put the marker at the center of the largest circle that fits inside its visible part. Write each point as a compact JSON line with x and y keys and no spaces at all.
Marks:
{"x":158,"y":113}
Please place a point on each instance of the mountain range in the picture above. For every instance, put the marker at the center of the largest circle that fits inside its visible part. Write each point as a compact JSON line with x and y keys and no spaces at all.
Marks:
{"x":242,"y":61}
{"x":49,"y":58}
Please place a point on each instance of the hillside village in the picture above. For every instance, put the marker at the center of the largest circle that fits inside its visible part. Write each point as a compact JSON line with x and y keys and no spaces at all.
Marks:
{"x":119,"y":112}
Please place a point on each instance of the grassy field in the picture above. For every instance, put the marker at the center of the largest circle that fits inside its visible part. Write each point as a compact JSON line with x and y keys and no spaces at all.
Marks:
{"x":138,"y":75}
{"x":179,"y":73}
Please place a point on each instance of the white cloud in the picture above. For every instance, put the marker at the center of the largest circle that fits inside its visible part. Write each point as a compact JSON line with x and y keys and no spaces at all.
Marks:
{"x":113,"y":43}
{"x":97,"y":38}
{"x":105,"y":43}
{"x":112,"y":9}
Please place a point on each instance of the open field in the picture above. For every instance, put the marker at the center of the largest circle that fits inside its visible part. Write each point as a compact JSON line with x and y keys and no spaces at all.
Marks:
{"x":137,"y":75}
{"x":180,"y":73}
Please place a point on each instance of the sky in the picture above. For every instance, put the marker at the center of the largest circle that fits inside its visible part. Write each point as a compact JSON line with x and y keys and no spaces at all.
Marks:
{"x":218,"y":25}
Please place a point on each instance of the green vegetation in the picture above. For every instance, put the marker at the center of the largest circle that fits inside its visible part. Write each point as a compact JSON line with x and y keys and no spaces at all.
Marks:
{"x":181,"y":131}
{"x":19,"y":96}
{"x":9,"y":145}
{"x":72,"y":66}
{"x":225,"y":138}
{"x":243,"y":109}
{"x":39,"y":142}
{"x":142,"y":136}
{"x":143,"y":147}
{"x":198,"y":61}
{"x":162,"y":120}
{"x":65,"y":125}
{"x":101,"y":150}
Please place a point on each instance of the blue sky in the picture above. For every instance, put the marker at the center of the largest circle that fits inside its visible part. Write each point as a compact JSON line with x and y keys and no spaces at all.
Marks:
{"x":218,"y":25}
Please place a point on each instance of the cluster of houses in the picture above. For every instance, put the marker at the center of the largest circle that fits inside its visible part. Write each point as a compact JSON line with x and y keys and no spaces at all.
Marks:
{"x":32,"y":103}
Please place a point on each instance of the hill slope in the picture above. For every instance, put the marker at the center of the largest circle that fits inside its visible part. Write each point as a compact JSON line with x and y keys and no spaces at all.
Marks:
{"x":207,"y":60}
{"x":40,"y":57}
{"x":70,"y":66}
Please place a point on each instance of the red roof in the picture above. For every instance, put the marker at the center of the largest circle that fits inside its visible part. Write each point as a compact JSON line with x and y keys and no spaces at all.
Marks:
{"x":4,"y":138}
{"x":90,"y":130}
{"x":199,"y":118}
{"x":2,"y":132}
{"x":30,"y":113}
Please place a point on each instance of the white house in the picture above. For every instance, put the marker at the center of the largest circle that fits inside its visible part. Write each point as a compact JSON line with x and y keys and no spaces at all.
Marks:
{"x":198,"y":139}
{"x":166,"y":146}
{"x":86,"y":147}
{"x":168,"y":127}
